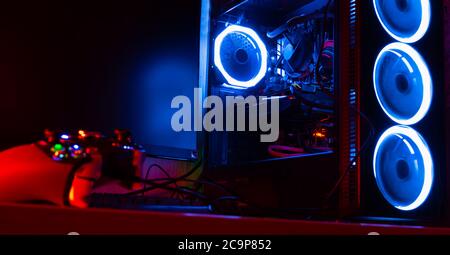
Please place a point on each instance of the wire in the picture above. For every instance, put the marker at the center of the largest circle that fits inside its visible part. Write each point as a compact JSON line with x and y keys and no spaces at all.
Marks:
{"x":149,"y":168}
{"x":185,"y":190}
{"x":167,"y":182}
{"x":355,"y":159}
{"x":177,"y":190}
{"x":193,"y":193}
{"x":322,"y":38}
{"x":203,"y":182}
{"x":212,"y":184}
{"x":188,"y":191}
{"x":161,"y":169}
{"x":191,"y":172}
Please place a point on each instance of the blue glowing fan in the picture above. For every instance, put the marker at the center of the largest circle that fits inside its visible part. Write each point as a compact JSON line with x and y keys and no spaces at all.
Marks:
{"x":405,"y":20}
{"x":241,"y":56}
{"x":402,"y":84}
{"x":403,"y":168}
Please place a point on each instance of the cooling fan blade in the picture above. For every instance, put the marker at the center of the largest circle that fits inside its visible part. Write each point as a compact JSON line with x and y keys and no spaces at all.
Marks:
{"x":405,"y":20}
{"x":403,"y":84}
{"x":403,"y":168}
{"x":240,"y":56}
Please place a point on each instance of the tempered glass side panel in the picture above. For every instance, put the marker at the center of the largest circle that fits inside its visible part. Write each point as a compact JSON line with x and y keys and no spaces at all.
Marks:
{"x":282,"y":51}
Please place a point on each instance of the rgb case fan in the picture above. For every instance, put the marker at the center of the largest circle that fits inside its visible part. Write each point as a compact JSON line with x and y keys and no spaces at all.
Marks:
{"x":241,"y":56}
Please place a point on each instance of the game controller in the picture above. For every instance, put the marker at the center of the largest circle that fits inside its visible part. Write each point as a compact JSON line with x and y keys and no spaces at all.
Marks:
{"x":64,"y":167}
{"x":118,"y":152}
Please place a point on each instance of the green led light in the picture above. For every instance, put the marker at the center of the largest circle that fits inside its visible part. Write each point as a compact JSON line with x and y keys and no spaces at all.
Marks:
{"x":58,"y":147}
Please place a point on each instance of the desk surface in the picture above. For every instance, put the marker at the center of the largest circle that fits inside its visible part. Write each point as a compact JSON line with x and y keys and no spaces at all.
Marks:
{"x":25,"y":219}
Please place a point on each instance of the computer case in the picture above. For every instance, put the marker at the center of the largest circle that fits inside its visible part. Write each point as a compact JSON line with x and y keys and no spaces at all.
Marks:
{"x":341,"y":174}
{"x":299,"y":172}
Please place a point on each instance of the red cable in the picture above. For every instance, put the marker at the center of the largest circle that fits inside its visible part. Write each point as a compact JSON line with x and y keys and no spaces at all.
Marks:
{"x":280,"y":151}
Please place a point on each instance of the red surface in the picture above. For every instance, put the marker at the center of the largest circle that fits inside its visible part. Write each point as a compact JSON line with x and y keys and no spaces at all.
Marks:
{"x":28,"y":174}
{"x":22,"y":219}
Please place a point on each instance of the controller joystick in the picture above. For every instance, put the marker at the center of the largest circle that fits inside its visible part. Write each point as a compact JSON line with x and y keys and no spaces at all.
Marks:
{"x":122,"y":136}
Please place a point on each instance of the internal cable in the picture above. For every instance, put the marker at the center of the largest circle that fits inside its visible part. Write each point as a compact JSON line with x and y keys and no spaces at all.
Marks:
{"x":324,"y":27}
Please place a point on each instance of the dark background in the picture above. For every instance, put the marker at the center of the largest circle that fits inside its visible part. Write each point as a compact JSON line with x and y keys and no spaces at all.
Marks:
{"x":96,"y":65}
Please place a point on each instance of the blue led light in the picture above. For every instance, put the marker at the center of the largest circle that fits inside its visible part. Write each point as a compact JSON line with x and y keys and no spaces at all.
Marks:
{"x":403,"y":84}
{"x":241,"y":56}
{"x":403,"y":168}
{"x":65,"y":137}
{"x":406,"y":21}
{"x":76,"y":147}
{"x":125,"y":147}
{"x":233,"y":87}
